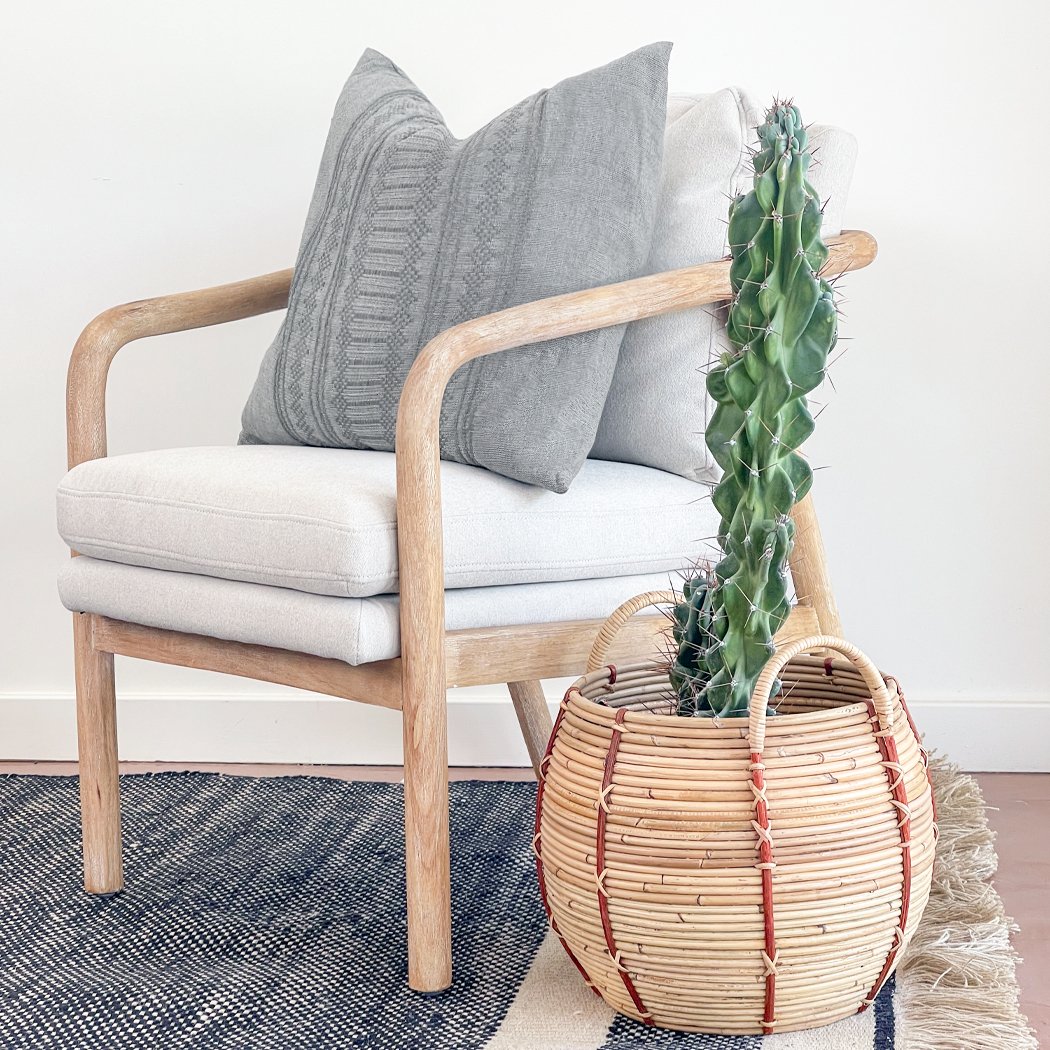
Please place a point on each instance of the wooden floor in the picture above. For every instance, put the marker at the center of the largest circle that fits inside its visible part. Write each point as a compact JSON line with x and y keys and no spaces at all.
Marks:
{"x":1019,"y":811}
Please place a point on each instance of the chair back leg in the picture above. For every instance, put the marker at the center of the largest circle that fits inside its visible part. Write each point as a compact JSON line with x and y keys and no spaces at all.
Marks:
{"x":534,"y":717}
{"x":809,"y":569}
{"x":97,"y":746}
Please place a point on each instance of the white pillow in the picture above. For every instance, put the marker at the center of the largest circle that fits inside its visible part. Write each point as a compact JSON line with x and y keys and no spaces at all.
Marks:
{"x":657,"y":409}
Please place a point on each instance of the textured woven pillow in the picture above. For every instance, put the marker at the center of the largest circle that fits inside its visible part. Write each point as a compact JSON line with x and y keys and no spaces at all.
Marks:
{"x":411,"y":231}
{"x":658,"y":407}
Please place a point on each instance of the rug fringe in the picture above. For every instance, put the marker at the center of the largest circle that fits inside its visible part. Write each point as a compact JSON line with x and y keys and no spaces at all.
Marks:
{"x":957,"y":984}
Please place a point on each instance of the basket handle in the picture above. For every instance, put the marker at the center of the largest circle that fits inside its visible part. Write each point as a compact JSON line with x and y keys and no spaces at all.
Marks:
{"x":756,"y":725}
{"x":608,"y":630}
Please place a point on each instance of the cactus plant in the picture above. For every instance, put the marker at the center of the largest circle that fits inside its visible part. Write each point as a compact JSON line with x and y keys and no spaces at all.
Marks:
{"x":782,"y":325}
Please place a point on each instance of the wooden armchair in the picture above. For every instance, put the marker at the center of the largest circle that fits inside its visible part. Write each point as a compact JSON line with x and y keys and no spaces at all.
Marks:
{"x":432,"y":658}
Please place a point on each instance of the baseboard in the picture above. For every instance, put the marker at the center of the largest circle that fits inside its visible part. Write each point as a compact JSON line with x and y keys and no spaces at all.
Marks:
{"x":982,"y":734}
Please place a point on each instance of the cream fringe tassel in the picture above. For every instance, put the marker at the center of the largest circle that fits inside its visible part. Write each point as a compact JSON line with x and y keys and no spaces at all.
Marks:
{"x":956,"y":986}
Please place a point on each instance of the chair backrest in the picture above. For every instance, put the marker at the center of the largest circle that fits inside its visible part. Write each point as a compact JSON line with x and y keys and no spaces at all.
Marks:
{"x":657,"y":409}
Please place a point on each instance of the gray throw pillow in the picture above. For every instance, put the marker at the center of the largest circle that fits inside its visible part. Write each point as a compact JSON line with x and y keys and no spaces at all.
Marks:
{"x":411,"y":231}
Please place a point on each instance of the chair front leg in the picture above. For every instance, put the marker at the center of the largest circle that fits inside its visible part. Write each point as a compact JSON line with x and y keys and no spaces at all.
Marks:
{"x":427,"y":872}
{"x":97,"y":746}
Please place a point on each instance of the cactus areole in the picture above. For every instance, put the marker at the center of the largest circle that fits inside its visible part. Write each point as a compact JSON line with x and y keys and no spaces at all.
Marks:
{"x":782,"y":325}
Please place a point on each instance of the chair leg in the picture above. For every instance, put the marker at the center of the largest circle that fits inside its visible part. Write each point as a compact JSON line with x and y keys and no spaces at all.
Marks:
{"x":427,"y":875}
{"x":809,"y":568}
{"x":97,"y":745}
{"x":534,"y":717}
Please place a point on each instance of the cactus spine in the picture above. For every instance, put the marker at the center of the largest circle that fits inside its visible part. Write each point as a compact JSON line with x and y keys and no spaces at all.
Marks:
{"x":782,"y":325}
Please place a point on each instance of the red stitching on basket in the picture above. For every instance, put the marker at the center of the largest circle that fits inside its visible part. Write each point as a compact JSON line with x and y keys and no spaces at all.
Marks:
{"x":923,"y":753}
{"x":890,"y":758}
{"x":828,"y":669}
{"x":536,"y":846}
{"x":599,"y":867}
{"x":766,"y":865}
{"x":612,"y":673}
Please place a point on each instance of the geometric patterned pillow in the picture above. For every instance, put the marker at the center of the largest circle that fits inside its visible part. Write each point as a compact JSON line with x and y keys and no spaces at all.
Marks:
{"x":411,"y":231}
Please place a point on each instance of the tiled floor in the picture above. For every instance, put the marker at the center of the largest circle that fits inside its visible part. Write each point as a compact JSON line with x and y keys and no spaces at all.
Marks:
{"x":1019,"y":810}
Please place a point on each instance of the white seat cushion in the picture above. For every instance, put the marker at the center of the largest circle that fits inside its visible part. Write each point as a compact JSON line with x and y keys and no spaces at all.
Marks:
{"x":323,"y":520}
{"x":357,"y":630}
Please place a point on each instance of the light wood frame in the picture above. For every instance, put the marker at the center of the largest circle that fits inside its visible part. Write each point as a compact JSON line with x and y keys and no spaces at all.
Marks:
{"x":432,"y":659}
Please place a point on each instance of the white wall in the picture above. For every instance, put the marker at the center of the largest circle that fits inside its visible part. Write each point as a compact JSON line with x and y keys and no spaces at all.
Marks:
{"x":148,"y":148}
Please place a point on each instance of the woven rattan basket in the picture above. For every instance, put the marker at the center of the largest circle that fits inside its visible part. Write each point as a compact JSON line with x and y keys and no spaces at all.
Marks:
{"x":738,"y":875}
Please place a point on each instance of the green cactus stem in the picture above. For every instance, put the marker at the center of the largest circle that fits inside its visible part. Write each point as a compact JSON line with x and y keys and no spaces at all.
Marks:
{"x":691,"y":631}
{"x":782,"y":325}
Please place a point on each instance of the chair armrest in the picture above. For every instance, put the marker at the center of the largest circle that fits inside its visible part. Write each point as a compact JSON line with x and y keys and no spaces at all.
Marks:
{"x":106,"y":334}
{"x":562,"y":315}
{"x":420,"y":551}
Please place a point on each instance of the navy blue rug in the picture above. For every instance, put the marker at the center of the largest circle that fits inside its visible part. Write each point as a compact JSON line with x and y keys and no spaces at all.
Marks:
{"x":269,"y":913}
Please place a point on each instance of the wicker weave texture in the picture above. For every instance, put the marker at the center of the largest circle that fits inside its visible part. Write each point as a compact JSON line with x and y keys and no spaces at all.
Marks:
{"x":705,"y":884}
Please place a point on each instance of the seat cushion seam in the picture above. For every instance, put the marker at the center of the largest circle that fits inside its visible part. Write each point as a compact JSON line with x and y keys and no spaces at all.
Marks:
{"x":230,"y":512}
{"x":77,"y":541}
{"x":262,"y":570}
{"x":662,"y":508}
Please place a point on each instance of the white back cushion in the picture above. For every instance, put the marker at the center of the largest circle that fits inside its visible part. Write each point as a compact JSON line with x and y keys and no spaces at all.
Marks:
{"x":658,"y":408}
